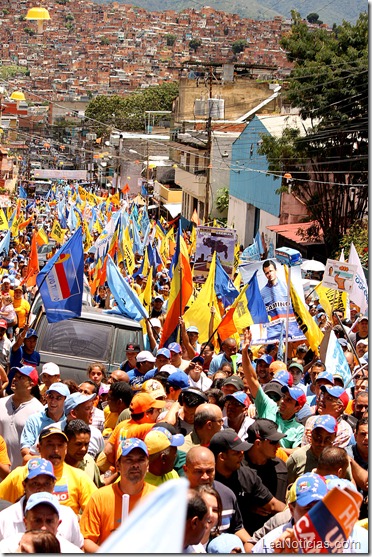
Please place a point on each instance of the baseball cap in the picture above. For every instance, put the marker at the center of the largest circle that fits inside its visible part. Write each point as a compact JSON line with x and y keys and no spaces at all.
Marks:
{"x":154,"y":388}
{"x":39,"y":466}
{"x":18,"y":287}
{"x":327,"y":422}
{"x":175,"y":347}
{"x":42,"y":498}
{"x":306,"y":489}
{"x":50,"y":368}
{"x":334,"y":481}
{"x":265,"y":358}
{"x":133,"y":347}
{"x":159,"y":439}
{"x":262,"y":428}
{"x":142,"y":402}
{"x":5,"y":280}
{"x":59,"y":388}
{"x":342,"y":341}
{"x":192,"y":329}
{"x":319,"y":308}
{"x":240,"y":396}
{"x":302,"y":348}
{"x":296,"y":365}
{"x":48,"y":431}
{"x":225,"y":543}
{"x":179,"y":380}
{"x":274,"y":388}
{"x":283,"y":377}
{"x":163,"y":352}
{"x":103,"y":389}
{"x":128,"y":445}
{"x":155,"y":322}
{"x":145,"y":356}
{"x":296,"y":393}
{"x":361,"y":318}
{"x":30,"y":371}
{"x":31,"y":333}
{"x":227,"y":439}
{"x":169,"y":368}
{"x":337,"y":392}
{"x":235,"y":382}
{"x":192,"y":396}
{"x":277,"y":365}
{"x":3,"y":324}
{"x":363,"y":341}
{"x":158,"y":298}
{"x":326,"y":376}
{"x":198,"y":359}
{"x":338,"y":376}
{"x":72,"y":401}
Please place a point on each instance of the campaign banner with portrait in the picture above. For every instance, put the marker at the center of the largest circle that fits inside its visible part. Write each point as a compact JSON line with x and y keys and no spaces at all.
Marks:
{"x":209,"y":240}
{"x":275,"y":298}
{"x":339,"y":275}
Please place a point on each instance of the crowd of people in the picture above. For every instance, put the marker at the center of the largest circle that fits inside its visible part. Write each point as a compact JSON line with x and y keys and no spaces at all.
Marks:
{"x":260,"y":441}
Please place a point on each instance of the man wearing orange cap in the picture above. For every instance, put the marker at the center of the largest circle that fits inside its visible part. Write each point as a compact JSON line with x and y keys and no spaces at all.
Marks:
{"x":102,"y":514}
{"x":145,"y":410}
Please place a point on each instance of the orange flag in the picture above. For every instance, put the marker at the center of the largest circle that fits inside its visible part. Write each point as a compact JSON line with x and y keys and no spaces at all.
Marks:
{"x":33,"y":265}
{"x":126,"y":188}
{"x":195,"y":218}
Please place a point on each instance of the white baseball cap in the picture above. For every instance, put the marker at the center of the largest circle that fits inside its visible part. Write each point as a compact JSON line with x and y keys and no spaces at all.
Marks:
{"x":51,"y":368}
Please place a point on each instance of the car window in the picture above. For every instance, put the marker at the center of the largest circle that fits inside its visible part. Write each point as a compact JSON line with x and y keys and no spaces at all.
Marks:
{"x":78,"y":338}
{"x":124,"y":337}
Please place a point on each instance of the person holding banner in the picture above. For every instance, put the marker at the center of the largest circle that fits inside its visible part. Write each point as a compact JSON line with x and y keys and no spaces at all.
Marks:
{"x":103,"y":513}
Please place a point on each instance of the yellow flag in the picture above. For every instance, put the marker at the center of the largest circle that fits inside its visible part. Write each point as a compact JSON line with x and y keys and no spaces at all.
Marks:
{"x":237,"y":281}
{"x":128,"y":252}
{"x":192,"y":245}
{"x":146,"y":295}
{"x":57,"y":232}
{"x":82,"y":193}
{"x":97,"y":226}
{"x":331,"y":299}
{"x":88,"y":242}
{"x":199,"y":312}
{"x":14,"y":228}
{"x":91,"y":199}
{"x":41,"y":237}
{"x":304,"y":320}
{"x":3,"y":221}
{"x":236,"y":257}
{"x":146,"y":265}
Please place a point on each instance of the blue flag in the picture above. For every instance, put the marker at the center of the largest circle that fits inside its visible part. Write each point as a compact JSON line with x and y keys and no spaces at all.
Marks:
{"x":22,"y":193}
{"x":258,"y":241}
{"x":137,"y":244}
{"x":256,"y":305}
{"x":126,"y":299}
{"x":224,"y":286}
{"x":5,"y":243}
{"x":60,"y":282}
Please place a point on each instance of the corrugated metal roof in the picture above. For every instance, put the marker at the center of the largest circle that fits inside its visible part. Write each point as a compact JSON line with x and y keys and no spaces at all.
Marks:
{"x":291,"y":231}
{"x":276,"y":124}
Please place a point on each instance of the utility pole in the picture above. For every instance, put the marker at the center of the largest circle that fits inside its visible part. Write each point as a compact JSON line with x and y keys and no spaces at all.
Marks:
{"x":208,"y":150}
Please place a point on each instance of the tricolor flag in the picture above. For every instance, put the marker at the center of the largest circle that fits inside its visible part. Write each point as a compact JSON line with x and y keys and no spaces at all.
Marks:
{"x":60,"y":282}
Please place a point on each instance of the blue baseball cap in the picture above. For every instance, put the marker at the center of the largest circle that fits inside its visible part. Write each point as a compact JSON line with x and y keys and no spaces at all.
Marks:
{"x":337,"y":392}
{"x":42,"y":498}
{"x":334,"y":481}
{"x":163,"y":352}
{"x":72,"y":401}
{"x":296,"y":393}
{"x":306,"y":489}
{"x":327,"y":422}
{"x":265,"y":358}
{"x":179,"y":380}
{"x":175,"y":439}
{"x":240,"y":396}
{"x":39,"y":466}
{"x":31,"y":333}
{"x":59,"y":388}
{"x":326,"y":376}
{"x":198,"y":359}
{"x":175,"y":347}
{"x":284,"y":378}
{"x":128,"y":445}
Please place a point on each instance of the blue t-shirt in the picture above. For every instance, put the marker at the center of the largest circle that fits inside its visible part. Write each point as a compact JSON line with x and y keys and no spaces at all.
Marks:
{"x":19,"y":358}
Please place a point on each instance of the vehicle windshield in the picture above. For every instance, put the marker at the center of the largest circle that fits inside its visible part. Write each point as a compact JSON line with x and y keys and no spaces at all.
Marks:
{"x":74,"y":338}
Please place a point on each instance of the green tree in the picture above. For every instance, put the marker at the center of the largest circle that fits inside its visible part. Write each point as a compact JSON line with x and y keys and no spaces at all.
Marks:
{"x":128,"y":113}
{"x":238,"y":46}
{"x":222,"y":200}
{"x":314,"y":18}
{"x":358,"y":235}
{"x":29,"y":31}
{"x":7,"y":72}
{"x":171,"y":39}
{"x":194,"y":44}
{"x":69,"y":17}
{"x":329,"y":162}
{"x":104,"y":41}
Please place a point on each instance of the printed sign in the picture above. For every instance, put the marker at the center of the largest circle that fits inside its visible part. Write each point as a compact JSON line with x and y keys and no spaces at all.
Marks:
{"x":210,"y":240}
{"x":339,"y":275}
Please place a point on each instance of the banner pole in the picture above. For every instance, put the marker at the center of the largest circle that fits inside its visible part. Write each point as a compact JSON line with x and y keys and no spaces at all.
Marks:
{"x":287,"y":316}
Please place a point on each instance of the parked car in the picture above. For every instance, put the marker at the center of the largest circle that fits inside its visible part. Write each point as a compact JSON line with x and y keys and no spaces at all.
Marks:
{"x":75,"y":343}
{"x":42,"y":252}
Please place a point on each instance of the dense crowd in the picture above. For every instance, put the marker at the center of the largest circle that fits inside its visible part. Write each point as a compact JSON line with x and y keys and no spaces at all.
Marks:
{"x":260,"y":441}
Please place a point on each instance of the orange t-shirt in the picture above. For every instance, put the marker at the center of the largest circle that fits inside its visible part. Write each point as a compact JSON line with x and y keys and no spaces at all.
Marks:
{"x":126,"y":429}
{"x":102,"y":515}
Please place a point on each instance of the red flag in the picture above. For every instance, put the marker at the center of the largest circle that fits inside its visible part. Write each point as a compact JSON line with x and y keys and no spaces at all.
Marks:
{"x":33,"y":265}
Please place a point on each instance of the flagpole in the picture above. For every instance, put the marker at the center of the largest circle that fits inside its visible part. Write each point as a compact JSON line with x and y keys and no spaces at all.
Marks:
{"x":287,"y":316}
{"x":348,"y":338}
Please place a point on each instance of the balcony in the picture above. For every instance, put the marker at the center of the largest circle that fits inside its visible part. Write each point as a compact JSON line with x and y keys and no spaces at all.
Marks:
{"x":166,"y":195}
{"x":190,"y":183}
